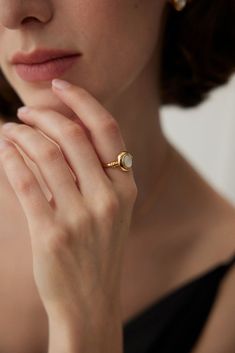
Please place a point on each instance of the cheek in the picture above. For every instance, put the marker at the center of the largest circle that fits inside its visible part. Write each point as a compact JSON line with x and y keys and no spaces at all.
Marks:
{"x":8,"y":45}
{"x":1,"y":41}
{"x":120,"y":41}
{"x":113,"y":28}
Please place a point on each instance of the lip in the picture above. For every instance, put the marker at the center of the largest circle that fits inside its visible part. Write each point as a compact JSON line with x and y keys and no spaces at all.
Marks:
{"x":46,"y":70}
{"x":40,"y":56}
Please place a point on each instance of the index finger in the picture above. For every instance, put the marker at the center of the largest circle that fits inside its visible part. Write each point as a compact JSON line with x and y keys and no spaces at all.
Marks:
{"x":103,"y":128}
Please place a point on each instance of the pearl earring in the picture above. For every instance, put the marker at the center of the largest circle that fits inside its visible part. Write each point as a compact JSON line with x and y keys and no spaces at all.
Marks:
{"x":179,"y":5}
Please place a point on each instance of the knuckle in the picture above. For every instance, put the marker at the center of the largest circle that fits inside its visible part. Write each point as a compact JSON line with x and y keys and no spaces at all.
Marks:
{"x":132,"y":192}
{"x":79,"y":220}
{"x":72,"y":131}
{"x":109,"y":206}
{"x":110,"y":126}
{"x":129,"y":193}
{"x":57,"y":239}
{"x":49,"y":154}
{"x":24,"y":184}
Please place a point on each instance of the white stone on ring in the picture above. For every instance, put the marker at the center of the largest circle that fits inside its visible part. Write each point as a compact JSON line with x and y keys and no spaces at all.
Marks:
{"x":124,"y":161}
{"x":127,"y":160}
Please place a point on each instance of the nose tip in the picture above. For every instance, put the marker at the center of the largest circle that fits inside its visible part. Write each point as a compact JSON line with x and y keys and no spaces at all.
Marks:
{"x":14,"y":14}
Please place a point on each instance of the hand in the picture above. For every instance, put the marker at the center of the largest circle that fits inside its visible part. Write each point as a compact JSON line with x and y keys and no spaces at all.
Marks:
{"x":78,"y":238}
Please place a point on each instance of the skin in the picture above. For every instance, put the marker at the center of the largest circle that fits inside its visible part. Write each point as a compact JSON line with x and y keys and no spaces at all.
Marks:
{"x":132,"y":80}
{"x":120,"y":43}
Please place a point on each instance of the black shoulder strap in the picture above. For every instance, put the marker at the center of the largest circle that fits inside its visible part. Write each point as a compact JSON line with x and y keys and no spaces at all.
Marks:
{"x":231,"y":261}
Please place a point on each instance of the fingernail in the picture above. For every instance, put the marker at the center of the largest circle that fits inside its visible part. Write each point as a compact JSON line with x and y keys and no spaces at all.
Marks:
{"x":60,"y":84}
{"x":3,"y":144}
{"x":23,"y":110}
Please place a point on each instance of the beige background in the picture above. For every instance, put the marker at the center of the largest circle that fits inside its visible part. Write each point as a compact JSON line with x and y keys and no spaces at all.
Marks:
{"x":206,"y":135}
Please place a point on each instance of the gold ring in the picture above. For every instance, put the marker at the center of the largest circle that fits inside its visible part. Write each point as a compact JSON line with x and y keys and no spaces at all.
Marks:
{"x":124,"y":161}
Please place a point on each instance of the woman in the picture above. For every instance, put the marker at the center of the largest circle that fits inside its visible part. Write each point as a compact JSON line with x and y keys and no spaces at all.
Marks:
{"x":99,"y":257}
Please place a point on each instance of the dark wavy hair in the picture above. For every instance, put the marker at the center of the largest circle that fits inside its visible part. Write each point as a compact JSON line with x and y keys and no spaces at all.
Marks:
{"x":198,"y":55}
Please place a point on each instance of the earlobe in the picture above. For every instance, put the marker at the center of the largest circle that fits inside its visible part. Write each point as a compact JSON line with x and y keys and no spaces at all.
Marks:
{"x":178,"y":5}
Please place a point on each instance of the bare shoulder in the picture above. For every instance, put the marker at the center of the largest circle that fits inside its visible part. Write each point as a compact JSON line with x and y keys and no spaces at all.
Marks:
{"x":217,"y":242}
{"x":23,"y":321}
{"x":218,"y":246}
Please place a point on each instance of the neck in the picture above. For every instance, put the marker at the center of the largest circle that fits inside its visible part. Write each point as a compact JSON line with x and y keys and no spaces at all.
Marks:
{"x":137,"y":112}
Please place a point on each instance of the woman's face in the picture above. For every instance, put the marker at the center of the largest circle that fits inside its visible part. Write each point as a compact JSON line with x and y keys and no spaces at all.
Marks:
{"x":116,"y":39}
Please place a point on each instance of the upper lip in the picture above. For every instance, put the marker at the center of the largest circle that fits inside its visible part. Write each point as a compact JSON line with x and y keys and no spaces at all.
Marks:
{"x":40,"y":55}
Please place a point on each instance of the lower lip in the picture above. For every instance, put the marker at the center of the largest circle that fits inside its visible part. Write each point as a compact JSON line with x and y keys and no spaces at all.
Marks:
{"x":45,"y":71}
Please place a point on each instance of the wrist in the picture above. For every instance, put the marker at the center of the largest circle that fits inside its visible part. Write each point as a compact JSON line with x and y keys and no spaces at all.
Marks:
{"x":90,"y":332}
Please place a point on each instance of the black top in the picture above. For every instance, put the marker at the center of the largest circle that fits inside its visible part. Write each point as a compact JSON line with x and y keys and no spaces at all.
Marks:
{"x":173,"y":323}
